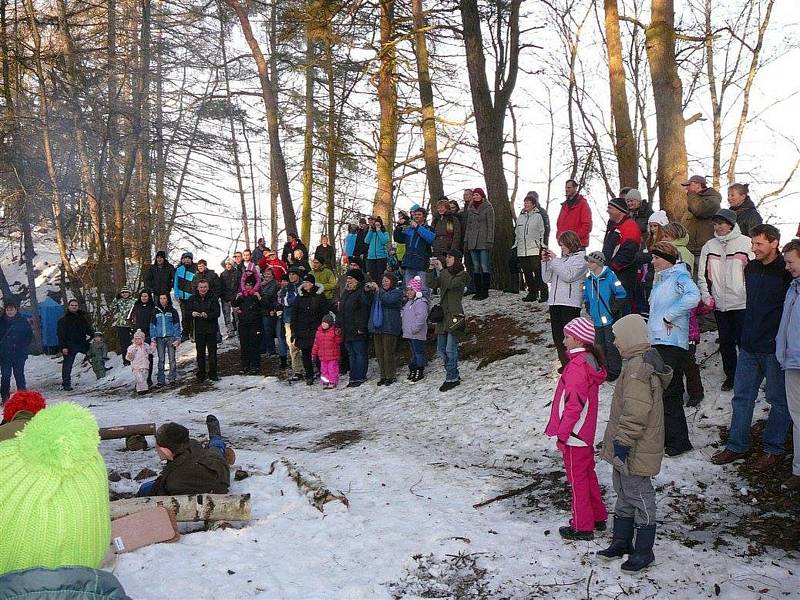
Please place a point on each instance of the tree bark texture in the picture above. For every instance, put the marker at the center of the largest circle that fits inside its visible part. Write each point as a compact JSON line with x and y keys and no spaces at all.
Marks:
{"x":489,"y":120}
{"x":387,"y":99}
{"x":668,"y":99}
{"x":308,"y":142}
{"x":430,"y":148}
{"x":624,"y":140}
{"x":191,"y":508}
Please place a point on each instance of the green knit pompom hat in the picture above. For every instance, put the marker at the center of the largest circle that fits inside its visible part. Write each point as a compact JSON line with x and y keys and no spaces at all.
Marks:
{"x":54,"y":492}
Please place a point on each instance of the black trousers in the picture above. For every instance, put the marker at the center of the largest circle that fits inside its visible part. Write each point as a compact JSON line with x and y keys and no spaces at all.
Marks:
{"x":729,"y":326}
{"x":604,"y":337}
{"x":559,"y":317}
{"x":206,"y":344}
{"x":628,"y":280}
{"x":531,"y":267}
{"x":308,"y":363}
{"x":676,"y":432}
{"x":249,"y":346}
{"x":124,"y":339}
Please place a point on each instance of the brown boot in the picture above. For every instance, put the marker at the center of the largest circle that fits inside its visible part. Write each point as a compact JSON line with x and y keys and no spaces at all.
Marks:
{"x":792,"y":484}
{"x":766,"y":461}
{"x":727,"y":456}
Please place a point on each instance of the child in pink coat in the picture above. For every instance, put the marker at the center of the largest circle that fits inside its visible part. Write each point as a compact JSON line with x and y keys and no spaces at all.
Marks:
{"x":573,"y":420}
{"x":139,"y":356}
{"x":328,"y":350}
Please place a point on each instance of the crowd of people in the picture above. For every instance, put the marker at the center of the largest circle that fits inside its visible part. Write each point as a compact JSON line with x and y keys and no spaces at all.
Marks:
{"x":646,"y":295}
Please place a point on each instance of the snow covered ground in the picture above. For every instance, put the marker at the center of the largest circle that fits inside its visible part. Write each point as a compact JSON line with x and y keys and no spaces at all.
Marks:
{"x":412,"y":463}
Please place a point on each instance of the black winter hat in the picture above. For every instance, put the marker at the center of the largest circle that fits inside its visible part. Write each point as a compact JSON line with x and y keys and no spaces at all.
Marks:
{"x":310,"y":278}
{"x":619,"y":204}
{"x":173,"y":436}
{"x":454,"y":253}
{"x":356,"y":274}
{"x":187,"y":255}
{"x":161,"y":254}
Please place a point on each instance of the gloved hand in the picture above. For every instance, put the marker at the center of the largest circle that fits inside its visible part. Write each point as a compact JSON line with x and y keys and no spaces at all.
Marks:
{"x":621,"y":452}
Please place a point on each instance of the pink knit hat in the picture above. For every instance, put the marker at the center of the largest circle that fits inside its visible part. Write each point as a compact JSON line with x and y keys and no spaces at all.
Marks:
{"x":416,"y":285}
{"x":580,"y":328}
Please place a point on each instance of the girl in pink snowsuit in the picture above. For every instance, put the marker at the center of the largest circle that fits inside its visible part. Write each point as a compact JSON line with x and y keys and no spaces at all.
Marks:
{"x":573,"y":420}
{"x":138,"y":354}
{"x":328,"y":350}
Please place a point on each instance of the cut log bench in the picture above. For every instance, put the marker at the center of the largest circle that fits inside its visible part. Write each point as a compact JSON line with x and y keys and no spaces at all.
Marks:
{"x":194,"y":508}
{"x":134,"y":434}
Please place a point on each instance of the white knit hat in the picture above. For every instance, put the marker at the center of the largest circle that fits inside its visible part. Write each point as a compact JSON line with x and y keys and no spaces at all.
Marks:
{"x":660,"y":217}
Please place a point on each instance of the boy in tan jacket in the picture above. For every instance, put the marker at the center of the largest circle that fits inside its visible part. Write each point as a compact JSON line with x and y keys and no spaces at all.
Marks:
{"x":634,"y":442}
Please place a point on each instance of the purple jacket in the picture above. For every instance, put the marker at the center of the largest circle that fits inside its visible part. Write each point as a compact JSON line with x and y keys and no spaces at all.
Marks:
{"x":414,"y":315}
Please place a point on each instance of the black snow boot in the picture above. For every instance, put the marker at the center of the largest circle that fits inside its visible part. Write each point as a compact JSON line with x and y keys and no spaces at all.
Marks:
{"x":419,"y":374}
{"x":544,"y":295}
{"x":284,"y":363}
{"x":642,"y":549}
{"x":213,"y":426}
{"x":486,"y":281}
{"x":476,"y":284}
{"x":411,"y":373}
{"x":622,"y":540}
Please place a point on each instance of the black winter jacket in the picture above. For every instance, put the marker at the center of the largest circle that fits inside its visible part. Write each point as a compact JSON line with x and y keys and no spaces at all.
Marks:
{"x":159,"y":279}
{"x":74,"y":331}
{"x":209,"y":305}
{"x":269,"y":295}
{"x":214,"y":282}
{"x":307,"y":313}
{"x":141,"y":316}
{"x":252,"y":309}
{"x":229,"y":284}
{"x":747,"y":217}
{"x":354,"y":311}
{"x":766,"y":287}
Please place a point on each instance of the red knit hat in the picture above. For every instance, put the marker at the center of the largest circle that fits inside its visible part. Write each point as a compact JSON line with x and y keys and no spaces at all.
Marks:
{"x":27,"y":400}
{"x":580,"y":328}
{"x":480,"y":192}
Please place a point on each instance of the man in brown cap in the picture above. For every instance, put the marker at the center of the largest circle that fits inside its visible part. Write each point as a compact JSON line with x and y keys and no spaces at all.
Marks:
{"x":702,"y":203}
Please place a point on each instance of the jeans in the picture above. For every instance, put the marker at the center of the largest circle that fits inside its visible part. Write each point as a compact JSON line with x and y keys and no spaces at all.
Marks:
{"x":165,"y":349}
{"x":267,"y":338}
{"x":750,"y":372}
{"x":676,"y":432}
{"x":480,"y":261}
{"x":447,"y":348}
{"x":729,"y":326}
{"x":418,"y":359}
{"x":15,"y":365}
{"x":409,"y":274}
{"x":359,"y":359}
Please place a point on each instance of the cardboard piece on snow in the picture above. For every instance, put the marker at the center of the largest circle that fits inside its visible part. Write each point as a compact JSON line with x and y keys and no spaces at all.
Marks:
{"x":151,"y":526}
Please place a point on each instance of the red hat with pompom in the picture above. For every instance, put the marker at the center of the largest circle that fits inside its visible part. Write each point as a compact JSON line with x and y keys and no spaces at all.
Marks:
{"x":26,"y":400}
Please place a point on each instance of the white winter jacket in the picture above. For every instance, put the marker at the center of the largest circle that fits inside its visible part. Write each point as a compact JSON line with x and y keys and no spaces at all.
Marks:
{"x":722,"y":263}
{"x":530,"y":233}
{"x":565,"y":275}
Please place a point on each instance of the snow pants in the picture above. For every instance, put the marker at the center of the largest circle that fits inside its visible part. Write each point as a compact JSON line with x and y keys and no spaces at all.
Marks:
{"x":587,"y":500}
{"x":329,"y":372}
{"x":793,"y":400}
{"x":140,"y":375}
{"x":636,"y":498}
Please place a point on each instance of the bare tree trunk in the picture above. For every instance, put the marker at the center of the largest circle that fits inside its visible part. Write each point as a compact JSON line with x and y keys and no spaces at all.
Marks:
{"x":252,"y":180}
{"x":430,"y":148}
{"x":44,"y":116}
{"x":271,"y":108}
{"x":489,"y":120}
{"x":387,"y":99}
{"x":624,"y":142}
{"x":234,"y":142}
{"x":308,"y":142}
{"x":332,"y":142}
{"x":142,"y":119}
{"x":275,"y":81}
{"x":668,"y":99}
{"x":748,"y":87}
{"x":160,"y":199}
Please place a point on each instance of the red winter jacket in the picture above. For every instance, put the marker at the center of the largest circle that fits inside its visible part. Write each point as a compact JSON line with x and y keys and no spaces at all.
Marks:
{"x":573,"y":415}
{"x":276,"y":265}
{"x":327,"y":344}
{"x":622,"y":244}
{"x":575,"y":216}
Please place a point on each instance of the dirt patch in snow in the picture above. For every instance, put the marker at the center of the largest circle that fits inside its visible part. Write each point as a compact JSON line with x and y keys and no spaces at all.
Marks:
{"x":494,"y":338}
{"x":229,"y":365}
{"x":452,"y":576}
{"x":340,"y":439}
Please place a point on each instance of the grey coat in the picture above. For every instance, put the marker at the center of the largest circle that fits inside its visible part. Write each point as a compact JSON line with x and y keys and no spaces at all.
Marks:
{"x":479,"y":234}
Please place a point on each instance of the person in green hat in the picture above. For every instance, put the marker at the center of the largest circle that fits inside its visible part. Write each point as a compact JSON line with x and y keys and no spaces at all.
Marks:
{"x":54,"y":505}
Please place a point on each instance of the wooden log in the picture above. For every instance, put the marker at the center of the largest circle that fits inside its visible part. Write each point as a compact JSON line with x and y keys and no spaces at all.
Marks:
{"x":310,"y":485}
{"x":189,"y":509}
{"x":124,"y":431}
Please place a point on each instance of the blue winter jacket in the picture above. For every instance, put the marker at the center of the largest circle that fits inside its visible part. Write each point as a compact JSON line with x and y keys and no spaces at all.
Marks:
{"x":15,"y":337}
{"x":787,"y":344}
{"x":418,"y":242}
{"x":165,"y":323}
{"x":674,"y":295}
{"x":287,"y":297}
{"x":377,"y":241}
{"x":350,"y":244}
{"x":182,"y":286}
{"x":390,"y":303}
{"x":598,"y":291}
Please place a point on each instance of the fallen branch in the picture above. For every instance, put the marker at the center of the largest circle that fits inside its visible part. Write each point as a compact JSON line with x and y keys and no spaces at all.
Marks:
{"x":189,"y":509}
{"x":506,"y":495}
{"x":310,"y":485}
{"x":123,"y":431}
